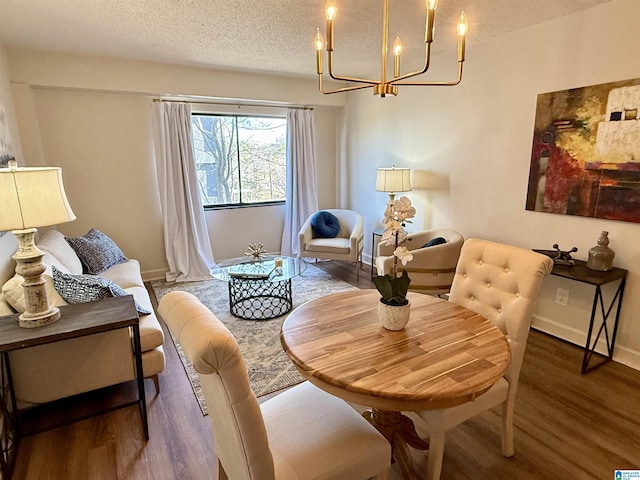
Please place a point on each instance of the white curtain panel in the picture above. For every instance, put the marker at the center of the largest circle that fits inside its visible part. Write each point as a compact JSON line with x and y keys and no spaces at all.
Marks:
{"x":186,"y":239}
{"x":302,"y":189}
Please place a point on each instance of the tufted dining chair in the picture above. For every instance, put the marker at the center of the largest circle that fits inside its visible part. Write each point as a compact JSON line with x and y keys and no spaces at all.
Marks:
{"x":435,"y":256}
{"x":344,"y":243}
{"x":301,"y":433}
{"x":501,"y":283}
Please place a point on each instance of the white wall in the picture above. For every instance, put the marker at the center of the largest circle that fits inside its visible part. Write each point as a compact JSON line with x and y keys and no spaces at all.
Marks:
{"x":476,"y":138}
{"x":91,"y":116}
{"x":6,"y":100}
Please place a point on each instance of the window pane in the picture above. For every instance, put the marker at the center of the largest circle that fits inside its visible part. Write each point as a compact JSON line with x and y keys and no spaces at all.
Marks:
{"x":240,"y":159}
{"x":262,"y":158}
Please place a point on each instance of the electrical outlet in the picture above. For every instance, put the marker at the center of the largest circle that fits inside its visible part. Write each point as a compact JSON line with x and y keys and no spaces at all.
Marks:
{"x":562,"y":297}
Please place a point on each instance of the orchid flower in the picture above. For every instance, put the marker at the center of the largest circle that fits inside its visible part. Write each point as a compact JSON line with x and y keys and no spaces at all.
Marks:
{"x":392,"y":286}
{"x":403,"y":254}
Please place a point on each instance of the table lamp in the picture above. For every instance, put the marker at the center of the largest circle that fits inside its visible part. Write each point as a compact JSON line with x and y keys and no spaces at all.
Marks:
{"x":393,"y":180}
{"x":32,"y":197}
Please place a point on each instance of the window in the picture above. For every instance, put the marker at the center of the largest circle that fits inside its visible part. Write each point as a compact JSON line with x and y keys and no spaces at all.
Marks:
{"x":240,"y":159}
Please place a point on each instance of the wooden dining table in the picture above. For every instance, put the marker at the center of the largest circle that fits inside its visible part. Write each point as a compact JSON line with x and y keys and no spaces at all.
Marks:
{"x":447,"y":355}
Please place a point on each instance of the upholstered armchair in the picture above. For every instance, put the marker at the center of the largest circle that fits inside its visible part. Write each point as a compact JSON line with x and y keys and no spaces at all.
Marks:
{"x":345,"y":245}
{"x":301,"y":433}
{"x":432,"y":268}
{"x":501,"y":283}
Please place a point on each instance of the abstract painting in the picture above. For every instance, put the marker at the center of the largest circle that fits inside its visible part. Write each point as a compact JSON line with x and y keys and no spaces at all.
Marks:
{"x":6,"y":152}
{"x":585,"y":158}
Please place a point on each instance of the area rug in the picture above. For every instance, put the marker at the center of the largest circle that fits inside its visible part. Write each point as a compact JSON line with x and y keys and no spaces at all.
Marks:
{"x":269,"y":367}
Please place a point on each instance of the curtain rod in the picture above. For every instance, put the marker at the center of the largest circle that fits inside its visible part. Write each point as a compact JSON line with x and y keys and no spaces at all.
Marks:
{"x":232,"y":104}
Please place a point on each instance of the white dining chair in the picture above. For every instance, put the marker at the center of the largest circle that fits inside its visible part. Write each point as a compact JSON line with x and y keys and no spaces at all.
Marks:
{"x":501,"y":283}
{"x":301,"y":433}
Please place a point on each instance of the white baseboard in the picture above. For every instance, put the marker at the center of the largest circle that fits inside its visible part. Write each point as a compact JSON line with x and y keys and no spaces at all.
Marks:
{"x":149,"y":275}
{"x":621,"y":354}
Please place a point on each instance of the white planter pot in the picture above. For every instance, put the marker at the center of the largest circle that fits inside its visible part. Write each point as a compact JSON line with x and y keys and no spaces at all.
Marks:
{"x":393,"y":317}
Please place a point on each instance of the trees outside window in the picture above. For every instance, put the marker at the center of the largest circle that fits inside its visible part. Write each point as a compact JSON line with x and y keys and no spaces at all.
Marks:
{"x":241,"y":160}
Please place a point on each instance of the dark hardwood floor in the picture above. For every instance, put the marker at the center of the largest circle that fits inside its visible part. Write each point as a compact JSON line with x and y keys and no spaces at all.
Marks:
{"x":567,"y":425}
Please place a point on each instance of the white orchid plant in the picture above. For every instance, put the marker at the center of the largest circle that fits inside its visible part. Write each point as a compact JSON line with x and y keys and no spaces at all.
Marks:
{"x":394,"y":287}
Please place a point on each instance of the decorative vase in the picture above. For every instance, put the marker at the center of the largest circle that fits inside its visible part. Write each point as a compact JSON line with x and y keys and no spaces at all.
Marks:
{"x":601,"y":256}
{"x":393,"y":317}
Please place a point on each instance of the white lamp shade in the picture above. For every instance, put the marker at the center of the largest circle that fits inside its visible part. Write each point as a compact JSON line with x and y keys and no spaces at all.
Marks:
{"x":393,"y":180}
{"x":32,"y":197}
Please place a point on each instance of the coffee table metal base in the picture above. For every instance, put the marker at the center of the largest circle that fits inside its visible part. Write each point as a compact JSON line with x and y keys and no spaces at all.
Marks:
{"x":259,"y":299}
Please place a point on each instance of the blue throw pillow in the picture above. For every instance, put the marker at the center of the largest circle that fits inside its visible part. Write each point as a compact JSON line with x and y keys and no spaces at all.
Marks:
{"x":325,"y":225}
{"x":433,"y":242}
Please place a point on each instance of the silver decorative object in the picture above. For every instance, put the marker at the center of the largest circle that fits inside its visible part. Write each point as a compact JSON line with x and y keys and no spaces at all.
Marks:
{"x":601,"y":256}
{"x":256,"y":251}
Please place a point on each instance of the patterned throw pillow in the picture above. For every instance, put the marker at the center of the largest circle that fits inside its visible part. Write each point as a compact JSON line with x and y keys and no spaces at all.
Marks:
{"x":96,"y":251}
{"x":88,"y":288}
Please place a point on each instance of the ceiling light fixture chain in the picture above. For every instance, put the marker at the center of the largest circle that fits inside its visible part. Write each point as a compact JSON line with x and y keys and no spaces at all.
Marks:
{"x":385,"y":87}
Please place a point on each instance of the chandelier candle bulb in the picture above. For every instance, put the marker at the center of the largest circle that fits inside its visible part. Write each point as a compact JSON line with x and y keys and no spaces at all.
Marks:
{"x":331,"y":15}
{"x":397,"y":50}
{"x":319,"y":44}
{"x":463,"y":26}
{"x":431,"y":16}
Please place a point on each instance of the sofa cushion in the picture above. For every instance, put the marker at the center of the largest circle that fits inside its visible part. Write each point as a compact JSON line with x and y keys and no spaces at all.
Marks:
{"x":329,"y":245}
{"x":325,"y":225}
{"x":151,"y":335}
{"x":54,"y":244}
{"x":14,"y":293}
{"x":87,"y":288}
{"x":5,"y":308}
{"x":125,"y":274}
{"x":96,"y":251}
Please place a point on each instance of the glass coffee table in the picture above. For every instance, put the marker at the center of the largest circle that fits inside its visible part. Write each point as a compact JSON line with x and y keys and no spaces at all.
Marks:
{"x":259,"y":290}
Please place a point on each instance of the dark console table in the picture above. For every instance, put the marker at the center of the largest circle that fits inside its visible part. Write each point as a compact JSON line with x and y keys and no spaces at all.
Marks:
{"x":600,"y":313}
{"x":77,"y":320}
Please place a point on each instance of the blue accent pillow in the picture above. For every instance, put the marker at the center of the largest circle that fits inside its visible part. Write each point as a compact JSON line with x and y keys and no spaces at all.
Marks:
{"x":96,"y":251}
{"x":325,"y":225}
{"x":433,"y":242}
{"x":88,"y":288}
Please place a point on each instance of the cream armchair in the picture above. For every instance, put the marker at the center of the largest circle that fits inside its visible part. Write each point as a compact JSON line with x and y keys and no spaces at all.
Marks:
{"x":346,"y":246}
{"x":301,"y":433}
{"x":501,"y":283}
{"x":432,"y":268}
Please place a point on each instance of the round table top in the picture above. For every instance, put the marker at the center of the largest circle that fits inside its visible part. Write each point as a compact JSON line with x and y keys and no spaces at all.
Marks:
{"x":445,"y":356}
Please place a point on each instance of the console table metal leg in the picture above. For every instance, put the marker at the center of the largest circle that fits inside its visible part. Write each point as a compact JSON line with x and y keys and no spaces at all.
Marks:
{"x":142,"y":401}
{"x":598,"y":301}
{"x":10,"y":431}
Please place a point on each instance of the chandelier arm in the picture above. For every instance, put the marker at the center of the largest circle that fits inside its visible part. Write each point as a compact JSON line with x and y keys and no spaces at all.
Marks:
{"x":340,"y":90}
{"x":346,"y":79}
{"x":440,"y":83}
{"x":427,"y":63}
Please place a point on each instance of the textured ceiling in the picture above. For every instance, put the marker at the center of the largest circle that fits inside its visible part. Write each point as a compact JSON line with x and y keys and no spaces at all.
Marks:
{"x":267,"y":35}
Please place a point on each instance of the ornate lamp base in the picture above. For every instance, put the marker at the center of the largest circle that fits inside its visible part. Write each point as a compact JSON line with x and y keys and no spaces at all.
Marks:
{"x":29,"y":265}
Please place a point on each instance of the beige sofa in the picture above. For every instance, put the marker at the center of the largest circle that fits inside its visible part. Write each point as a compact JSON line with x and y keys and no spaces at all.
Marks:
{"x":50,"y":372}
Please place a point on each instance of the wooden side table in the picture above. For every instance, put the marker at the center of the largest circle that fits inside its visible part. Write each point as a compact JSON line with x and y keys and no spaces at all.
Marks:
{"x":77,"y":320}
{"x":581,"y":273}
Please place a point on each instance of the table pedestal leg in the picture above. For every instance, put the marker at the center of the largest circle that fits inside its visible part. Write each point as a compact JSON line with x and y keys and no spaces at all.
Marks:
{"x":401,"y":434}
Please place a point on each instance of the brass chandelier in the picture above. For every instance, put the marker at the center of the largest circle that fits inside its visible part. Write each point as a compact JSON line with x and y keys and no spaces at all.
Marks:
{"x":386,"y":86}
